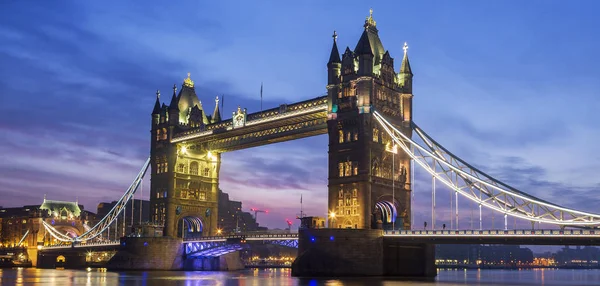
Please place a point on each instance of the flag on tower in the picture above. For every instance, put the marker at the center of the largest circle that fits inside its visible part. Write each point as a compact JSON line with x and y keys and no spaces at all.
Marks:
{"x":261,"y":89}
{"x":300,"y":198}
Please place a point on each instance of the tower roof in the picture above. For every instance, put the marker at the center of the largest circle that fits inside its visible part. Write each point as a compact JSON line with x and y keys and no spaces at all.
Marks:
{"x":173,"y":104}
{"x":335,"y":54}
{"x":216,"y":117}
{"x":405,"y":67}
{"x":156,"y":109}
{"x":369,"y":42}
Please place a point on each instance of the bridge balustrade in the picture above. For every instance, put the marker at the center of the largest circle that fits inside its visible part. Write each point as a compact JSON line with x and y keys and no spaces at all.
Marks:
{"x":493,"y":232}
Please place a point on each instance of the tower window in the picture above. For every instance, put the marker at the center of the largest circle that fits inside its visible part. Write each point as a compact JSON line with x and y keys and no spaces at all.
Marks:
{"x":194,"y":168}
{"x":375,"y":135}
{"x":341,"y":169}
{"x":341,"y":136}
{"x":206,"y":172}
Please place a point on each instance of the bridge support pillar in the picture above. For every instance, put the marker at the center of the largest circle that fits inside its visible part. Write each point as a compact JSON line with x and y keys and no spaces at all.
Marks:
{"x":148,"y":253}
{"x":360,"y":252}
{"x":226,"y":262}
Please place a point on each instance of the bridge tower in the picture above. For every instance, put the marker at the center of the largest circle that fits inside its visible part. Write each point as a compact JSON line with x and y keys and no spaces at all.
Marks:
{"x":362,"y":193}
{"x":185,"y":177}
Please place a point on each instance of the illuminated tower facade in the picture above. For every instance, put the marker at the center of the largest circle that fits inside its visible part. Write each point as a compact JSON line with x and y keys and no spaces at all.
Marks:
{"x":369,"y":178}
{"x":185,"y":178}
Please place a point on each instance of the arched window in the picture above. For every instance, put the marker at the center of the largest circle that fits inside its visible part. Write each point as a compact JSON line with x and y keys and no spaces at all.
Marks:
{"x":164,"y":133}
{"x":341,"y":136}
{"x":355,"y":132}
{"x":375,"y":135}
{"x":348,"y":136}
{"x":194,"y":168}
{"x":180,"y":168}
{"x":158,"y":135}
{"x":341,"y":169}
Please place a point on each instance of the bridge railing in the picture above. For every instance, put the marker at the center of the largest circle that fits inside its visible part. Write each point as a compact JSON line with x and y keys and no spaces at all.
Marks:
{"x":79,"y":245}
{"x":517,"y":232}
{"x":246,"y":236}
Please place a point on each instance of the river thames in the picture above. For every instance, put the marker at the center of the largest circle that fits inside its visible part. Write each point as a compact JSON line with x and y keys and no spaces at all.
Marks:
{"x":261,"y":277}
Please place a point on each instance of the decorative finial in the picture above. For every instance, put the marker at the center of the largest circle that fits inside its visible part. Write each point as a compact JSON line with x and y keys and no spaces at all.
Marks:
{"x":157,"y":94}
{"x":370,"y":21}
{"x":174,"y":88}
{"x":405,"y":48}
{"x":217,"y":100}
{"x":44,"y":198}
{"x":188,"y":81}
{"x":334,"y":36}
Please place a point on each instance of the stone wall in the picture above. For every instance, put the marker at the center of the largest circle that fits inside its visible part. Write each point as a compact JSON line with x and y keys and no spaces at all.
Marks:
{"x":360,"y":252}
{"x":339,"y":252}
{"x":148,"y":253}
{"x":226,"y":262}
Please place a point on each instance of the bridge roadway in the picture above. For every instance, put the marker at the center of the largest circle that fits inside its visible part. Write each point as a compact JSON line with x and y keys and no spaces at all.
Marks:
{"x":524,"y":237}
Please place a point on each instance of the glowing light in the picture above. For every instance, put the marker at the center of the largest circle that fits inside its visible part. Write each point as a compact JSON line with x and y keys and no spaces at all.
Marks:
{"x":332,"y":214}
{"x":219,"y":231}
{"x":39,"y":247}
{"x":183,"y":150}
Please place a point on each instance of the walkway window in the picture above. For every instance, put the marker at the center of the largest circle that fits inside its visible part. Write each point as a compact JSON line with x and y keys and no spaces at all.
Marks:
{"x":194,"y":168}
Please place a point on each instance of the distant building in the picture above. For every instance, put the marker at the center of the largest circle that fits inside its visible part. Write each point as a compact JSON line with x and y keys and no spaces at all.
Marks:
{"x":232,"y":219}
{"x":474,"y":254}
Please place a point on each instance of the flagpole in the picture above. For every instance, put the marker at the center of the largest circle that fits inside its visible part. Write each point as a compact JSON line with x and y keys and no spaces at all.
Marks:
{"x":301,"y":212}
{"x":261,"y":91}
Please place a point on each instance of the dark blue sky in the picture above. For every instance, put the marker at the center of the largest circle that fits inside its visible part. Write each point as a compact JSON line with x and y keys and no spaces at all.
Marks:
{"x":510,"y":86}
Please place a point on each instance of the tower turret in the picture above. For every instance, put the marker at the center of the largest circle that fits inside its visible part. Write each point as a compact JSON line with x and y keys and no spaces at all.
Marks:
{"x":335,"y":64}
{"x":405,"y":79}
{"x":405,"y":75}
{"x":216,"y":117}
{"x":156,"y":110}
{"x":173,"y":108}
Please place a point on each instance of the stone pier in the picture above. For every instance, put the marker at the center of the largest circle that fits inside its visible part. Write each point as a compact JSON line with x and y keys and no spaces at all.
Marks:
{"x":360,"y":252}
{"x":148,"y":253}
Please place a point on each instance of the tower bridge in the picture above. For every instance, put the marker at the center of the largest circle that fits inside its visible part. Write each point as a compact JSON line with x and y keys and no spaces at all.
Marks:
{"x":368,"y":117}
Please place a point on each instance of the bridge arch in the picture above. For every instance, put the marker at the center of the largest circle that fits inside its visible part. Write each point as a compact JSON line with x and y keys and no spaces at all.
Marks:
{"x":389,"y":212}
{"x":190,"y":227}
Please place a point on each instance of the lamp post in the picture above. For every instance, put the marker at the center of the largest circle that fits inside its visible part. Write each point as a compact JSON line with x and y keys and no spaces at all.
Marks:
{"x":332,"y":219}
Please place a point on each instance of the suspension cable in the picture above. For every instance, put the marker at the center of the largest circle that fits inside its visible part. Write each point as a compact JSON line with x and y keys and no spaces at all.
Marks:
{"x":485,"y":184}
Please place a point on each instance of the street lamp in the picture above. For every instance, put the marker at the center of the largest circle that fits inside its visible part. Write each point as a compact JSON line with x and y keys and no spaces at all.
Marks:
{"x":219,"y":231}
{"x":332,"y":218}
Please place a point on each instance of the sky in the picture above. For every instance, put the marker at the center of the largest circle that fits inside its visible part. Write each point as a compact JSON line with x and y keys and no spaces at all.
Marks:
{"x":509,"y":86}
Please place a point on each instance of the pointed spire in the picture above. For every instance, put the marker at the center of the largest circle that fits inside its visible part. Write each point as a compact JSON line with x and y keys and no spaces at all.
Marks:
{"x":335,"y":54}
{"x":156,"y":109}
{"x":44,"y":198}
{"x":173,"y":105}
{"x":216,"y":117}
{"x":405,"y":67}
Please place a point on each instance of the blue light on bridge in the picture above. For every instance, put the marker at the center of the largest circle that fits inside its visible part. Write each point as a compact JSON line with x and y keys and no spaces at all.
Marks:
{"x":312,"y":239}
{"x":331,"y":238}
{"x":145,"y":243}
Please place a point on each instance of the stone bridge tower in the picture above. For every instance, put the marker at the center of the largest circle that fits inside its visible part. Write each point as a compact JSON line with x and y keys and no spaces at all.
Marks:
{"x":185,"y":177}
{"x":362,"y":162}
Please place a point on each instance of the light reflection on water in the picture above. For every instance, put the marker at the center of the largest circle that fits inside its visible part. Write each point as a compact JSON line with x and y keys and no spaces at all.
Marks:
{"x":267,"y":277}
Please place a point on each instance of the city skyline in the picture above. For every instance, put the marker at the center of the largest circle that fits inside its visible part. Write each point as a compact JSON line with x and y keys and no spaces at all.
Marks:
{"x":513,"y":95}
